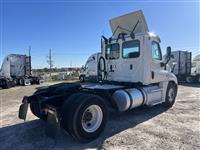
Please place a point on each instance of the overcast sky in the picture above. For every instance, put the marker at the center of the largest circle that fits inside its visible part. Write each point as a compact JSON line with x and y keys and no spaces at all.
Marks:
{"x":73,"y":28}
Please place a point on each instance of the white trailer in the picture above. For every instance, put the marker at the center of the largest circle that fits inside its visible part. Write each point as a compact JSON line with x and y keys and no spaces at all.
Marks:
{"x":195,"y":70}
{"x":16,"y":70}
{"x":90,"y":70}
{"x":131,"y":73}
{"x":185,"y":69}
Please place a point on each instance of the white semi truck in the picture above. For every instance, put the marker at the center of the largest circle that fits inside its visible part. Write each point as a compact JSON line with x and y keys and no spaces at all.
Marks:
{"x":131,"y":73}
{"x":90,"y":70}
{"x":195,"y":70}
{"x":16,"y":70}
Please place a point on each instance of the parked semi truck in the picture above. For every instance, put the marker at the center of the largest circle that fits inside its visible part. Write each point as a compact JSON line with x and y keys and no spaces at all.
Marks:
{"x":195,"y":70}
{"x":186,"y":69}
{"x":131,"y":73}
{"x":89,"y":70}
{"x":16,"y":70}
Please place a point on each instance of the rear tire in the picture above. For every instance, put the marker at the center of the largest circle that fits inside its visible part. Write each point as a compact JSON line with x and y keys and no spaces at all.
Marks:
{"x":6,"y":84}
{"x":35,"y":108}
{"x":21,"y":81}
{"x":86,"y":117}
{"x":170,"y":95}
{"x":15,"y":81}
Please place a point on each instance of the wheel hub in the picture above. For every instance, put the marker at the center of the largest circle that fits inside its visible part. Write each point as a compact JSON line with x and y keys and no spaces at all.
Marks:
{"x":171,"y":94}
{"x":87,"y":116}
{"x":92,"y":118}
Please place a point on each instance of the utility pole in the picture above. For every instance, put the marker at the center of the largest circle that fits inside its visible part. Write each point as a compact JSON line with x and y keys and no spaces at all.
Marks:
{"x":70,"y":64}
{"x":29,"y":54}
{"x":50,"y":61}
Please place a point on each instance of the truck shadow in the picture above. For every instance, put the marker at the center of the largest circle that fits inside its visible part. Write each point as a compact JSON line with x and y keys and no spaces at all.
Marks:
{"x":31,"y":134}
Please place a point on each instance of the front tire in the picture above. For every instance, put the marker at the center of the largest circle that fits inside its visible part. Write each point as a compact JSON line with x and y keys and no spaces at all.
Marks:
{"x":170,"y":95}
{"x":86,"y":117}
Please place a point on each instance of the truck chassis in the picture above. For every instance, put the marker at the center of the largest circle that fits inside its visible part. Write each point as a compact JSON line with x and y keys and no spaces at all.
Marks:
{"x":83,"y":110}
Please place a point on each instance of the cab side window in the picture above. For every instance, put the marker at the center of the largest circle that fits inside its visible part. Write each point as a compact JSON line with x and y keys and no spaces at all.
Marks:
{"x":112,"y":51}
{"x":156,"y":51}
{"x":131,"y":49}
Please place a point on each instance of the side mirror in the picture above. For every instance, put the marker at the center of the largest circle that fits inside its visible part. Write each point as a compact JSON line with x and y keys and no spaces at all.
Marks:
{"x":168,"y":57}
{"x":109,"y":40}
{"x":132,"y":35}
{"x":82,"y":68}
{"x":104,"y":41}
{"x":169,"y":51}
{"x":162,"y":64}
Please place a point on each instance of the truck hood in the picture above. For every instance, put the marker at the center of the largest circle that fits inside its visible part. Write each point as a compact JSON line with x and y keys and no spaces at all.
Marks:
{"x":126,"y":23}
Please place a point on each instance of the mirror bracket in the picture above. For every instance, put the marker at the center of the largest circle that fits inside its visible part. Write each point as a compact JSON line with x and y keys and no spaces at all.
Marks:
{"x":105,"y":39}
{"x":162,"y":64}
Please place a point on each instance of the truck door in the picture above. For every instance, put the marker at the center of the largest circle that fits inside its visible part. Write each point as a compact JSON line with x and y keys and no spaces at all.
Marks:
{"x":157,"y":71}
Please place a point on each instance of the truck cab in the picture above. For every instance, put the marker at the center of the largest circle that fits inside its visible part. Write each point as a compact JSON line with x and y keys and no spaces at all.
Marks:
{"x":195,"y":69}
{"x":133,"y":54}
{"x":89,"y":70}
{"x":16,"y":70}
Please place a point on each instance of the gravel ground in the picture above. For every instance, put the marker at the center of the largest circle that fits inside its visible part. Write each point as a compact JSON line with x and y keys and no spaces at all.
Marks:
{"x":142,"y":128}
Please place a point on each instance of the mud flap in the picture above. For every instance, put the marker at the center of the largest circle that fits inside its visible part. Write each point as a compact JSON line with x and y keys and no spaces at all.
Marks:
{"x":52,"y":124}
{"x":23,"y":108}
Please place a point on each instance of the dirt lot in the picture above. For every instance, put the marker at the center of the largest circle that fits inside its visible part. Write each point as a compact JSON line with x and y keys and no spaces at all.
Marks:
{"x":142,"y":128}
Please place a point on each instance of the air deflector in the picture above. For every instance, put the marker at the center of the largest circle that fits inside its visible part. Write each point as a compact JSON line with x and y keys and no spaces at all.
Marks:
{"x":126,"y":23}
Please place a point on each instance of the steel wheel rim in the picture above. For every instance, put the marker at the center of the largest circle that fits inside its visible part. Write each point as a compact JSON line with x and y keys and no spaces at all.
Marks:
{"x":171,"y":94}
{"x":92,"y":118}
